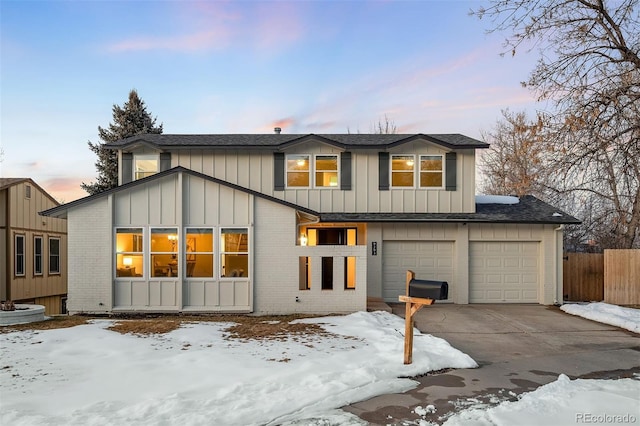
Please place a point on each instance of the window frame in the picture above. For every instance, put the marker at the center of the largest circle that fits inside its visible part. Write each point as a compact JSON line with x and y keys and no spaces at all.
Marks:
{"x":287,"y":171}
{"x":222,"y":251}
{"x":392,"y":171}
{"x":195,"y":253}
{"x":137,"y":175}
{"x":174,"y":253}
{"x":38,"y":258}
{"x":57,"y":256}
{"x":133,"y":253}
{"x":316,"y":170}
{"x":441,"y":171}
{"x":27,"y":192}
{"x":19,"y":259}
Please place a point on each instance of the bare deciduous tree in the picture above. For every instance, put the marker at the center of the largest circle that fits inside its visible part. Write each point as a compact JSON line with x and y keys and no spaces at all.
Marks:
{"x":589,"y":68}
{"x":514,"y":164}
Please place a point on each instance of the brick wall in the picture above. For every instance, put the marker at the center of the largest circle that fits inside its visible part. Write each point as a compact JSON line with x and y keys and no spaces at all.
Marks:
{"x":90,"y":258}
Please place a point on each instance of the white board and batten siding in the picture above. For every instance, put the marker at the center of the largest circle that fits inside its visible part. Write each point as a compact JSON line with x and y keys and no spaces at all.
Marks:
{"x":183,"y":201}
{"x":254,"y":169}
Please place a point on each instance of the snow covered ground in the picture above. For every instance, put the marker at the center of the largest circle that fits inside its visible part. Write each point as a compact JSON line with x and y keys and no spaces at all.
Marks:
{"x":627,"y":318}
{"x":89,"y":375}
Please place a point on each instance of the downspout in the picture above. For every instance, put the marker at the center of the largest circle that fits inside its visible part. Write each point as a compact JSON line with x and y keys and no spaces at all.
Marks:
{"x":555,"y":300}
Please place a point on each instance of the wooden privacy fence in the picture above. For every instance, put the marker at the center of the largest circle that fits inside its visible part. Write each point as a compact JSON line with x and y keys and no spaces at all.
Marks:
{"x":612,"y":276}
{"x":622,"y":277}
{"x":583,"y":277}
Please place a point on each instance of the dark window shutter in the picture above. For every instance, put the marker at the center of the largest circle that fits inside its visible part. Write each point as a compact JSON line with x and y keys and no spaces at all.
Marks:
{"x":345,"y":171}
{"x":165,"y":161}
{"x":383,"y":171}
{"x":451,"y":171}
{"x":278,"y":171}
{"x":127,"y":167}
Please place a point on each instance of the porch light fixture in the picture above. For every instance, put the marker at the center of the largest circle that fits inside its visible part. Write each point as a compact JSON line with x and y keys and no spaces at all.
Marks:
{"x":127,"y":261}
{"x":303,"y":239}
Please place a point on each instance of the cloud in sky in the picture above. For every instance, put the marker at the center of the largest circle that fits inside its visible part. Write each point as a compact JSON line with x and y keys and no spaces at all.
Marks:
{"x":211,"y":26}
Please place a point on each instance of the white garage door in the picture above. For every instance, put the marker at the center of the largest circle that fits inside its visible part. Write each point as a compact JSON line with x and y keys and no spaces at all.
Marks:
{"x":430,"y":260}
{"x":503,"y":272}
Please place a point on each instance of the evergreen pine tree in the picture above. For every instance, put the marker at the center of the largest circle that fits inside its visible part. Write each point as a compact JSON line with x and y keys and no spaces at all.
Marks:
{"x":129,"y":120}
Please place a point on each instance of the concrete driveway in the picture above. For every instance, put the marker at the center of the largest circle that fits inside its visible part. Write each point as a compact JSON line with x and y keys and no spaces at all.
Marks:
{"x":518,"y":348}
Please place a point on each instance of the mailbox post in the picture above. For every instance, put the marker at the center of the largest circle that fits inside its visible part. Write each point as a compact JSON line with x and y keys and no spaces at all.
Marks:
{"x":434,"y":291}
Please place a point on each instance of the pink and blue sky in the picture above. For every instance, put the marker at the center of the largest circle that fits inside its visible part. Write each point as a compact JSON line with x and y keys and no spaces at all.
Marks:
{"x":241,"y":67}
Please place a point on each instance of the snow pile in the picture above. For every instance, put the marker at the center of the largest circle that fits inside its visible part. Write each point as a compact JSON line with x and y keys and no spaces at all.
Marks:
{"x":91,"y":375}
{"x":563,"y":402}
{"x":627,"y":318}
{"x":496,"y":199}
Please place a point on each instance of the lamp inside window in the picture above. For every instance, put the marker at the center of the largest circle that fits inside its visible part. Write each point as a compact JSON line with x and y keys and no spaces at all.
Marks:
{"x":127,"y":261}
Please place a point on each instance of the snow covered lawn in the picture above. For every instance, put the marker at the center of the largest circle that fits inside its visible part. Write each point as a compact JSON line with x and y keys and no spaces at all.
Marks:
{"x":627,"y":318}
{"x":90,"y":375}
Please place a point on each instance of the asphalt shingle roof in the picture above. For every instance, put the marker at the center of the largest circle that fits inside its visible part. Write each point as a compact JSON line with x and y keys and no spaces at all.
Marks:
{"x":273,"y":141}
{"x":528,"y":210}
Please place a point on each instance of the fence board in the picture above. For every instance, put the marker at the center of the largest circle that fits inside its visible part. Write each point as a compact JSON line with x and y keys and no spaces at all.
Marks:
{"x":622,"y":277}
{"x":583,"y":277}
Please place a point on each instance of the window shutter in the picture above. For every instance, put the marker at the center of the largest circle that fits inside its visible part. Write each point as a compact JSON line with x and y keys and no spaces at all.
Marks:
{"x":165,"y":161}
{"x":383,"y":171}
{"x":345,"y":171}
{"x":127,"y":167}
{"x":278,"y":171}
{"x":451,"y":171}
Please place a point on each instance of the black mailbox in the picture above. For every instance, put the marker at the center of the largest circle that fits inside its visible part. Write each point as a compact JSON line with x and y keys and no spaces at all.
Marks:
{"x":428,"y":289}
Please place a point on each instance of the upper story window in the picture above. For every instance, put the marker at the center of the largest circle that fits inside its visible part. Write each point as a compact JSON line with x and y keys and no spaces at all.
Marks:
{"x":298,"y":170}
{"x":27,"y":192}
{"x":145,"y":165}
{"x":402,"y":171}
{"x":326,"y":167}
{"x":431,"y":171}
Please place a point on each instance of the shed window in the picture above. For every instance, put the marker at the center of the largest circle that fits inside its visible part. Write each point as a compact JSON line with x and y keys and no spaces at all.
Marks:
{"x":402,"y":171}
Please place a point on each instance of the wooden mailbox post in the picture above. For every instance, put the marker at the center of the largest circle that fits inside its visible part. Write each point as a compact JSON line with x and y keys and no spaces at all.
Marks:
{"x":412,"y":305}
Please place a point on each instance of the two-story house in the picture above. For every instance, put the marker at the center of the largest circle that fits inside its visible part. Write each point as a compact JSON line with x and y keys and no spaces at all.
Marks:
{"x":33,"y":251}
{"x":283,"y":223}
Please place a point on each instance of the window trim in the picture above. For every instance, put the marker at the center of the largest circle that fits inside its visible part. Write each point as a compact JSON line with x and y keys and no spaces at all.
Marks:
{"x":36,"y":255}
{"x":222,"y":252}
{"x":124,"y":253}
{"x":141,"y":157}
{"x":442,"y":171}
{"x":52,"y":255}
{"x":391,"y":171}
{"x":186,"y":254}
{"x":176,"y":253}
{"x":315,"y":170}
{"x":287,"y":171}
{"x":19,"y":259}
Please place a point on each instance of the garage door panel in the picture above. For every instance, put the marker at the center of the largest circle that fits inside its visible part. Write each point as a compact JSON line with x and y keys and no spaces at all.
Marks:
{"x":428,"y":259}
{"x":511,"y":276}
